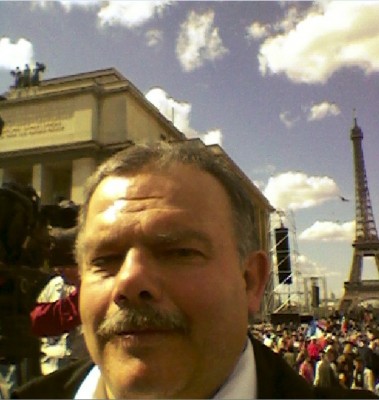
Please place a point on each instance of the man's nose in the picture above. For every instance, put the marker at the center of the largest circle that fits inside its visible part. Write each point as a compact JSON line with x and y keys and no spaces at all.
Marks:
{"x":137,"y":281}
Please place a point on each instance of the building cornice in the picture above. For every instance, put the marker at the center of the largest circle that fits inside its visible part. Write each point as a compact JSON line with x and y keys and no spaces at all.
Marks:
{"x":89,"y":146}
{"x":76,"y":146}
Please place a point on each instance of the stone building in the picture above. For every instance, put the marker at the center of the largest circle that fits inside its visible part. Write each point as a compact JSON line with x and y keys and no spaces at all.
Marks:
{"x":56,"y":132}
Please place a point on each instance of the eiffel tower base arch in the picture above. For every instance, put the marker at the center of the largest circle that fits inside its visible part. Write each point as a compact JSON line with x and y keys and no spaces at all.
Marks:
{"x":358,"y":292}
{"x":356,"y":289}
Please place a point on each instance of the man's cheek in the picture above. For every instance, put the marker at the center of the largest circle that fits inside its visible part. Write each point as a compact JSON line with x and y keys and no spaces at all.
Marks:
{"x":93,"y":305}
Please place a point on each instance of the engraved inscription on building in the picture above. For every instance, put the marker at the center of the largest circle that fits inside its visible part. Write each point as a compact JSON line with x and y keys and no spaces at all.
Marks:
{"x":34,"y":120}
{"x":35,"y":128}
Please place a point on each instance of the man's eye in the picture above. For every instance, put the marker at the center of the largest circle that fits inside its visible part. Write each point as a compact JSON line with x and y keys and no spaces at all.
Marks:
{"x":185,"y":252}
{"x":104,"y":261}
{"x":182,"y":252}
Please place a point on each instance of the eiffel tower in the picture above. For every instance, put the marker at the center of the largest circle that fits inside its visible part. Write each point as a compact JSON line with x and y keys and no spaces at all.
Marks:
{"x":366,"y":243}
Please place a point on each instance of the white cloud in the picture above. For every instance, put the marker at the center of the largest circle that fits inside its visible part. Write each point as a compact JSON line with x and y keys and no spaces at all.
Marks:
{"x":288,"y":120}
{"x":292,"y":18}
{"x":176,"y":111}
{"x":257,"y":30}
{"x":295,"y":190}
{"x":66,"y":4}
{"x":130,"y":14}
{"x":213,"y":136}
{"x":334,"y":35}
{"x":153,"y":37}
{"x":327,"y":231}
{"x":323,"y":110}
{"x":310,"y":268}
{"x":264,"y":169}
{"x":198,"y":41}
{"x":14,"y":55}
{"x":179,"y":113}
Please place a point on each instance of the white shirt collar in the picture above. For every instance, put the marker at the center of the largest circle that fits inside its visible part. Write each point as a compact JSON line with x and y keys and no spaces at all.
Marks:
{"x":241,"y":384}
{"x":88,"y":387}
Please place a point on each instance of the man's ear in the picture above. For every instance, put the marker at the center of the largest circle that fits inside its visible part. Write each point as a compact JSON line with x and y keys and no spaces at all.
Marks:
{"x":256,"y":276}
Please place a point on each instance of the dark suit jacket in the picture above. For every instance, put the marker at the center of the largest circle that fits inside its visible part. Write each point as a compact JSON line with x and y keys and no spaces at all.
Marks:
{"x":276,"y":380}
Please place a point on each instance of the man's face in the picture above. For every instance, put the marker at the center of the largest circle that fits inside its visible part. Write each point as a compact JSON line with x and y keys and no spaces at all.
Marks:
{"x":163,"y":243}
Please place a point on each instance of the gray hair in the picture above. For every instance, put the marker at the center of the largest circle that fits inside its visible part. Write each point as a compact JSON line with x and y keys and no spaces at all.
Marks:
{"x":162,"y":155}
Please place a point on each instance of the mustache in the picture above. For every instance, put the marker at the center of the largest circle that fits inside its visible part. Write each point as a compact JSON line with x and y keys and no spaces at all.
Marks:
{"x":140,"y":318}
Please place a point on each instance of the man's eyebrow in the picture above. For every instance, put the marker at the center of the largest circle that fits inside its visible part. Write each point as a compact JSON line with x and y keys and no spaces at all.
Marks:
{"x":166,"y":238}
{"x":94,"y":244}
{"x":175,"y":236}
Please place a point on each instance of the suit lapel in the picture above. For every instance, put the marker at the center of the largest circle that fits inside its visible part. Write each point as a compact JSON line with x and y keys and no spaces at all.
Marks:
{"x":275,"y":379}
{"x":266,"y":373}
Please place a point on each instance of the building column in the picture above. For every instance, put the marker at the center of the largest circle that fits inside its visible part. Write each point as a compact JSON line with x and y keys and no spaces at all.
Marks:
{"x":42,"y":183}
{"x":2,"y":176}
{"x":82,"y":168}
{"x":5,"y":175}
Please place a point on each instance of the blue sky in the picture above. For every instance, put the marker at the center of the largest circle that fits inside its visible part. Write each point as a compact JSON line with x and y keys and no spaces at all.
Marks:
{"x":274,"y":83}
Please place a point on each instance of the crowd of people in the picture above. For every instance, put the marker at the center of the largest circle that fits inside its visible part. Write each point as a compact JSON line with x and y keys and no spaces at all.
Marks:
{"x":335,"y":351}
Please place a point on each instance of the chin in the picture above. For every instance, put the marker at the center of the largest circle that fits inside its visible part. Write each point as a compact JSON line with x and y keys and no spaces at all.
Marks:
{"x":136,"y":377}
{"x":143,"y":386}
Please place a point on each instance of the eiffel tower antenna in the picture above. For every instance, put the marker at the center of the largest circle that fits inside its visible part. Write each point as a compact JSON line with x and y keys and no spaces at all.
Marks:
{"x":366,"y":243}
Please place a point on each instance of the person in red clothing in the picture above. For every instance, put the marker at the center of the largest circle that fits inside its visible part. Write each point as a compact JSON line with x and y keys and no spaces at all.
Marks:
{"x":55,"y":317}
{"x":344,"y":326}
{"x":313,"y":349}
{"x":306,"y":370}
{"x":55,"y":314}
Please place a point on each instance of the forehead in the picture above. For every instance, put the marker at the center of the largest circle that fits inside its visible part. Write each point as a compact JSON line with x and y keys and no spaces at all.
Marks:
{"x":180,"y":186}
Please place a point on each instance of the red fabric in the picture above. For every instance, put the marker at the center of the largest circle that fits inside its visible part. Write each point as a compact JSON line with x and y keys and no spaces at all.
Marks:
{"x":54,"y":319}
{"x":322,"y":342}
{"x":306,"y":371}
{"x":313,"y":351}
{"x":344,"y":326}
